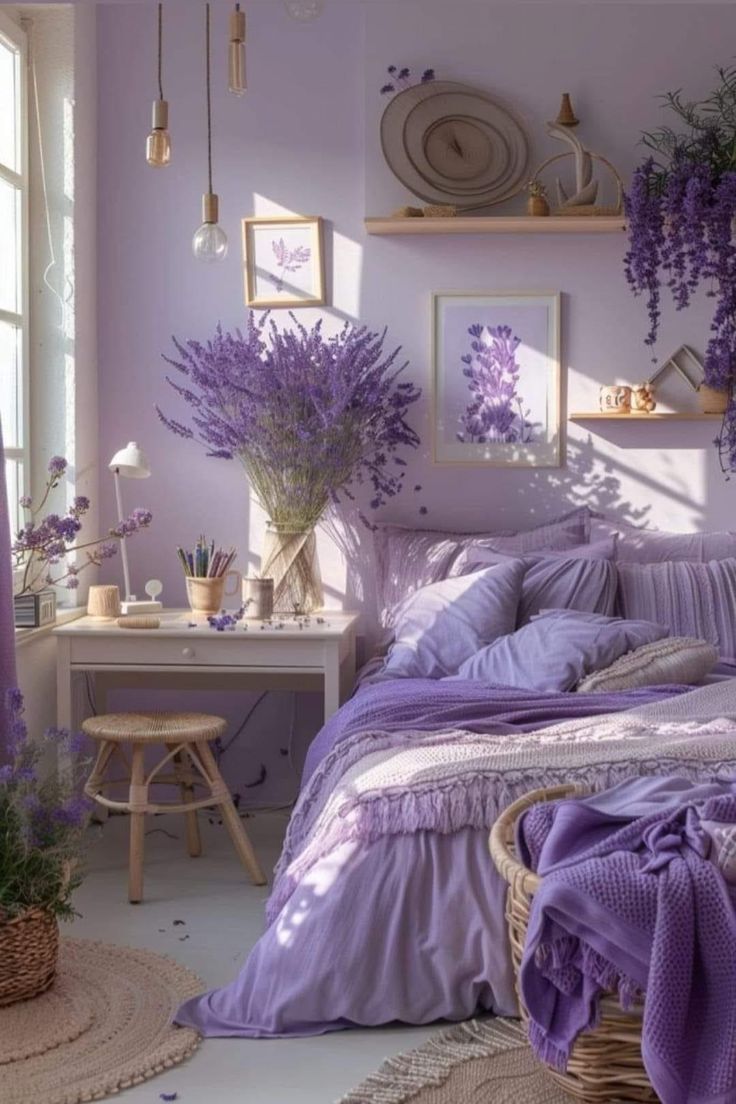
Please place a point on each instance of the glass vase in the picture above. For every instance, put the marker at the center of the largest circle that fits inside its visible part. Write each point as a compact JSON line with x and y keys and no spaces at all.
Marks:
{"x":290,"y":559}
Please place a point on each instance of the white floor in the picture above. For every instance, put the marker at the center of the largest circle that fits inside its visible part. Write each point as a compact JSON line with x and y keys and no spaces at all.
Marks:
{"x":223,"y":917}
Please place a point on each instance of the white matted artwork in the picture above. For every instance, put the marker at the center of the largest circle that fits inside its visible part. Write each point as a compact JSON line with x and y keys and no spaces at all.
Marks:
{"x":284,"y":265}
{"x":497,"y":379}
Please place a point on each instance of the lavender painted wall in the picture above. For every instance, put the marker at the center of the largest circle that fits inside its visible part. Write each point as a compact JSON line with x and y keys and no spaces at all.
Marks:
{"x":305,"y":140}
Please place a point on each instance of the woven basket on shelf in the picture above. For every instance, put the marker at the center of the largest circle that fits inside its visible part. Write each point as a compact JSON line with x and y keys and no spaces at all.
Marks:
{"x":29,"y":948}
{"x":606,"y":1063}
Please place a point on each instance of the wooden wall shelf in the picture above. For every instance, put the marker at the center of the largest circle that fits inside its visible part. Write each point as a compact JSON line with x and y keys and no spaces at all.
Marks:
{"x":627,"y":419}
{"x":499,"y":224}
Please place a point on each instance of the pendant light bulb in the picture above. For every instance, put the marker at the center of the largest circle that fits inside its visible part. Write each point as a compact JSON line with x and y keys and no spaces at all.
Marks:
{"x":236,"y":56}
{"x":209,"y":243}
{"x":158,"y":143}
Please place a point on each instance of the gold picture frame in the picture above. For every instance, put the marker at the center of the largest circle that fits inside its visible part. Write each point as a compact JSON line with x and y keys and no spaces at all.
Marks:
{"x":462,"y":325}
{"x":283,"y":258}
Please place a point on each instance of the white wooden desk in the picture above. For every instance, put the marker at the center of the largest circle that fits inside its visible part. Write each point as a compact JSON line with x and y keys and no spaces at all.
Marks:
{"x":261,"y":655}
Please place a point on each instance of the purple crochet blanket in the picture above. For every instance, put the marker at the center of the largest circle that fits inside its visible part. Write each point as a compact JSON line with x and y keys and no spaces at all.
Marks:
{"x":632,"y":903}
{"x":437,"y":705}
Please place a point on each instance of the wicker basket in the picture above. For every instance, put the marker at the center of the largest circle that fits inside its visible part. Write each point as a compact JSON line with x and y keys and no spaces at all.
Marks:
{"x":29,"y":948}
{"x":605,"y":1064}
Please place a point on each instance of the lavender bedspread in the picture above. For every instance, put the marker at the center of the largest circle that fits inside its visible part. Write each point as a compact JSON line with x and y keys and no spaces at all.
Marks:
{"x":403,"y":928}
{"x":436,"y":705}
{"x":633,"y":901}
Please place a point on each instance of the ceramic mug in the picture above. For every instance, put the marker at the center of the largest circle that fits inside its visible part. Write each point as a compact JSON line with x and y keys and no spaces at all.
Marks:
{"x":615,"y":400}
{"x":206,"y":595}
{"x":258,"y":598}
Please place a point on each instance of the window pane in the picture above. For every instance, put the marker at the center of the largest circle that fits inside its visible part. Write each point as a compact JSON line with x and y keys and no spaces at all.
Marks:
{"x":9,"y":247}
{"x":11,"y":386}
{"x":9,"y":101}
{"x":14,"y":480}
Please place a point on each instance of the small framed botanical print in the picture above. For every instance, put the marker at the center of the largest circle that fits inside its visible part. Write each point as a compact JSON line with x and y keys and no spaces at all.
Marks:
{"x":284,"y":264}
{"x":497,"y":379}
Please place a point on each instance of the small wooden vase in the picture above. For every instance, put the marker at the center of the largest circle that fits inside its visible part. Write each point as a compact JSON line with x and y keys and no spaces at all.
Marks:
{"x":537,"y":206}
{"x":712,"y":401}
{"x":103,"y":602}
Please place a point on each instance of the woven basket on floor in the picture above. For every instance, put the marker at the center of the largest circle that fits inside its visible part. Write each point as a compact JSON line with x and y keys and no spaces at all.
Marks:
{"x":29,"y":948}
{"x":605,"y":1064}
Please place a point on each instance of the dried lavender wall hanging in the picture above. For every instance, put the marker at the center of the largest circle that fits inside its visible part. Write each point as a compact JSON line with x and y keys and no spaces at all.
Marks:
{"x":681,"y":208}
{"x":497,"y":379}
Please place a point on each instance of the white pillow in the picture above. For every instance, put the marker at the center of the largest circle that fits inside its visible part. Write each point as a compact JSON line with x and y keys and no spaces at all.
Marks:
{"x":674,"y":659}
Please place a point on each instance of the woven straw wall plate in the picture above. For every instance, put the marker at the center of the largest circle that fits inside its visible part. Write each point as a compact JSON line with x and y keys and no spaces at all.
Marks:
{"x":450,"y":143}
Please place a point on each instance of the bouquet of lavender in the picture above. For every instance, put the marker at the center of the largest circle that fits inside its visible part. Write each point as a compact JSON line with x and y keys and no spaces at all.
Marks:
{"x":681,"y":209}
{"x":309,"y":417}
{"x":46,"y":548}
{"x":42,"y":821}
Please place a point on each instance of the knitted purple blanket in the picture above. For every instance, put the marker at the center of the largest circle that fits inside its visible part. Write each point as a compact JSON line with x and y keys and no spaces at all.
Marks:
{"x":633,"y":903}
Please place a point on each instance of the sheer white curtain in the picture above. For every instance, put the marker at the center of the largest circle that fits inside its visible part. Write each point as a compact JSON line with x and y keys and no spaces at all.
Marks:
{"x":7,"y":631}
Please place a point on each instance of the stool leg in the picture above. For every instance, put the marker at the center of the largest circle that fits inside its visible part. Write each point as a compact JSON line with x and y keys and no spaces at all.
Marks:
{"x":233,"y":823}
{"x":182,"y":770}
{"x":137,"y":825}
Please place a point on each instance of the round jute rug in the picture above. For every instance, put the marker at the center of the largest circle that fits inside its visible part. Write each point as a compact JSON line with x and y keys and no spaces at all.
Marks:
{"x":479,"y":1062}
{"x":103,"y":1026}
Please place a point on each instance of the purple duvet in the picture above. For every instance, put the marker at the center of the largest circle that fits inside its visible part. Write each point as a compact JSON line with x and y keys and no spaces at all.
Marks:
{"x":407,"y":927}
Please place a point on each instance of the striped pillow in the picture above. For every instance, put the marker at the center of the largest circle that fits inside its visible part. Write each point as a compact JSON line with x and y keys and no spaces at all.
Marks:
{"x":691,"y":599}
{"x":409,"y":559}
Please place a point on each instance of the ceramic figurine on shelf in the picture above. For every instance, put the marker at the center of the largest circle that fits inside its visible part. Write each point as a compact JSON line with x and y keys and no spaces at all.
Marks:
{"x":579,"y":198}
{"x":642,"y":399}
{"x":615,"y":399}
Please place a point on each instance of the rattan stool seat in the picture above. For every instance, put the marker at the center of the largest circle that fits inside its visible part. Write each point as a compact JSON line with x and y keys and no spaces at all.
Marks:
{"x":129,"y":738}
{"x":155,"y":728}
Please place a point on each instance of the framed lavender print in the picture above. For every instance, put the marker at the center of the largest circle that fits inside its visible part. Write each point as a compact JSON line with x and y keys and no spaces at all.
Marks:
{"x":283,"y":262}
{"x":497,"y":379}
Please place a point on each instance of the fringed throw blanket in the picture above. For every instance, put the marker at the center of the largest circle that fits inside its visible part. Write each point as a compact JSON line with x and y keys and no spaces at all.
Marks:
{"x":377,"y":784}
{"x":634,"y":901}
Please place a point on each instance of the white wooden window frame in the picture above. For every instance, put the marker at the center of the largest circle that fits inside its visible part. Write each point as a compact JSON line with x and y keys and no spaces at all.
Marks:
{"x":13,"y":36}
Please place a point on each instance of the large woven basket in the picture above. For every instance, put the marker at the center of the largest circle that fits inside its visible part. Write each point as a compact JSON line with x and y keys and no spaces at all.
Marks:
{"x":29,"y":948}
{"x":605,"y":1064}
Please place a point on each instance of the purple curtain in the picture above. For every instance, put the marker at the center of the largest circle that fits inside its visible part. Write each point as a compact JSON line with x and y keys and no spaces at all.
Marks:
{"x":7,"y":631}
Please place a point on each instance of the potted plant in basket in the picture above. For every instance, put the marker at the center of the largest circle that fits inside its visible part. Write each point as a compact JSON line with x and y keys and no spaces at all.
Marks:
{"x":42,"y":824}
{"x":308,"y":417}
{"x":681,"y":208}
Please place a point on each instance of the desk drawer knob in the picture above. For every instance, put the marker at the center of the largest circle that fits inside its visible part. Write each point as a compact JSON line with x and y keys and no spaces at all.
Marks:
{"x":188,"y":653}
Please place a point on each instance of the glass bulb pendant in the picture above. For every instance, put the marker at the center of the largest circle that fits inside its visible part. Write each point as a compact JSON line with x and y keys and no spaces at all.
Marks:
{"x":236,"y":56}
{"x":210,"y":240}
{"x":158,"y":143}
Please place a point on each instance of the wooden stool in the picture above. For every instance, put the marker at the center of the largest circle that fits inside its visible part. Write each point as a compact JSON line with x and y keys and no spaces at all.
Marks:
{"x":186,"y":737}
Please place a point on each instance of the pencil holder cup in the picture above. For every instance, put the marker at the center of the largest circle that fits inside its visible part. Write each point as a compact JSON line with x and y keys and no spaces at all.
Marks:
{"x":258,"y":598}
{"x":206,"y":595}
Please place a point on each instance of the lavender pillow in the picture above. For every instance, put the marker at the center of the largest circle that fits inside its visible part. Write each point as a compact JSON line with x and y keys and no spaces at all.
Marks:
{"x":443,"y":624}
{"x":690,"y":599}
{"x":557,"y":649}
{"x":408,"y":559}
{"x":653,"y":546}
{"x":581,"y":578}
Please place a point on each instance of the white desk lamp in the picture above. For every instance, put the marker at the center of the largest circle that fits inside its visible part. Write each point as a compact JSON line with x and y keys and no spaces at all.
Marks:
{"x":132,"y":463}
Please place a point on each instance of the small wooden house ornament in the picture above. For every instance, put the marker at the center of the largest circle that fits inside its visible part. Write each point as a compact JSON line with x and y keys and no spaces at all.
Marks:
{"x":686,"y":363}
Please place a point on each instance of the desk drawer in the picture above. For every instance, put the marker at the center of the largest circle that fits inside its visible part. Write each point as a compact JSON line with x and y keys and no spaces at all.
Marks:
{"x":225,"y":651}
